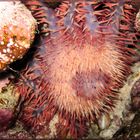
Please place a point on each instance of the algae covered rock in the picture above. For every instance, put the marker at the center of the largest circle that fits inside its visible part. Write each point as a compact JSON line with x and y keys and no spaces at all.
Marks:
{"x":8,"y":102}
{"x":17,"y":29}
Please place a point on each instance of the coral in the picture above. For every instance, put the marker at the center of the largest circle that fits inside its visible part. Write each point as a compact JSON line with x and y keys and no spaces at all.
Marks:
{"x":80,"y":64}
{"x":15,"y":37}
{"x":8,"y":103}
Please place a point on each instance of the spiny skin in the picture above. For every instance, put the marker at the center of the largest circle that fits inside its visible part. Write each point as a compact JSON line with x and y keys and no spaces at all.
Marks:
{"x":80,"y":64}
{"x":137,"y":22}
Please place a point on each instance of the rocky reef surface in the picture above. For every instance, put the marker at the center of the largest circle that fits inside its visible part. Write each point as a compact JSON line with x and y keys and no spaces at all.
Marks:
{"x":17,"y":27}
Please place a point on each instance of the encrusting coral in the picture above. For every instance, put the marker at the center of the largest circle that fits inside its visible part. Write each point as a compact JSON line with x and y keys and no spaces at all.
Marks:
{"x":17,"y":29}
{"x":81,"y":62}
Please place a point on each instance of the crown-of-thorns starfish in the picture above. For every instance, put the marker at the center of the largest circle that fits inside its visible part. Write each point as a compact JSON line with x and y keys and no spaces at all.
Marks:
{"x":80,"y":64}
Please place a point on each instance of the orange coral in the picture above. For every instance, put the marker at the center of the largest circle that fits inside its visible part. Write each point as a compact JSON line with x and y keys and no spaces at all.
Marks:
{"x":15,"y":37}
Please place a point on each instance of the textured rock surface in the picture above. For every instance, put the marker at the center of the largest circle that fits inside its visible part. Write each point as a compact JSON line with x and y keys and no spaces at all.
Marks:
{"x":17,"y":28}
{"x":8,"y":102}
{"x":135,"y":96}
{"x":15,"y":133}
{"x":123,"y":121}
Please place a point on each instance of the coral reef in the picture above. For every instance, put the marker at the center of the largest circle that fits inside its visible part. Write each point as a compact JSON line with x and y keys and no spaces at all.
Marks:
{"x":130,"y":123}
{"x":17,"y":28}
{"x":15,"y":40}
{"x":82,"y":60}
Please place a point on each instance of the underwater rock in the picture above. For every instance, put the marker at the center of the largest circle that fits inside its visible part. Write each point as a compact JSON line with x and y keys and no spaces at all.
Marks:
{"x":17,"y":29}
{"x":104,"y":121}
{"x":135,"y":96}
{"x":5,"y":117}
{"x":16,"y":132}
{"x":123,"y":113}
{"x":8,"y":102}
